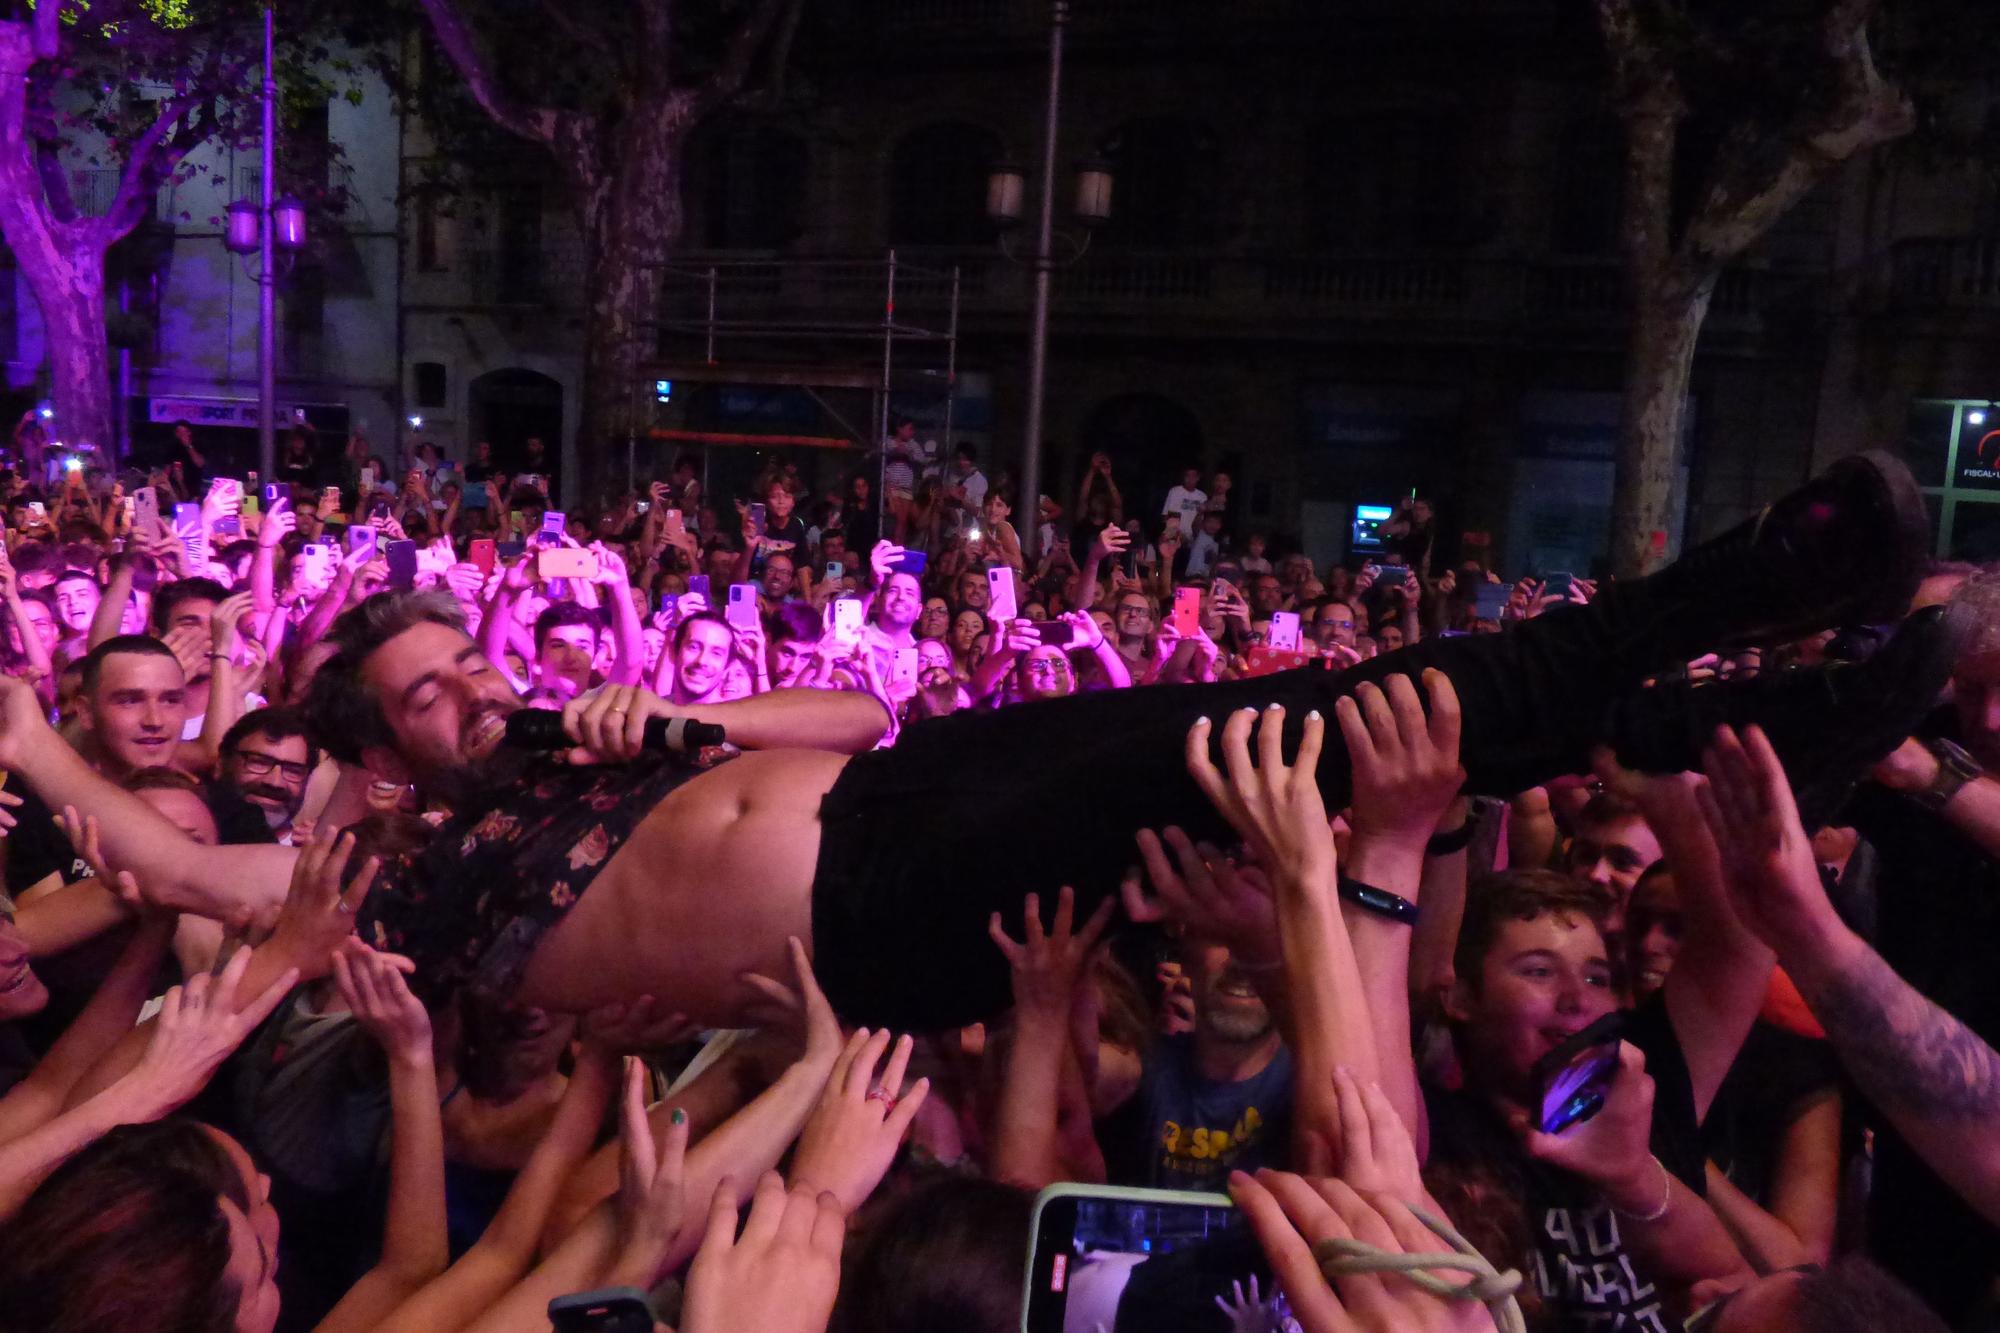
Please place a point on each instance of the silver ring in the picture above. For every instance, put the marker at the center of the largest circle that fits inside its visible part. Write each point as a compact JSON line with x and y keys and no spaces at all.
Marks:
{"x":343,"y":907}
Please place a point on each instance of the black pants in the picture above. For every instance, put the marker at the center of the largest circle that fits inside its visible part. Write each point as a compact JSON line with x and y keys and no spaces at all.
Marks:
{"x":922,"y":842}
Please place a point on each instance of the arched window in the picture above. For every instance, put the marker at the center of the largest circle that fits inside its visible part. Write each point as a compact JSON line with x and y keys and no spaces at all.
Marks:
{"x":753,"y":188}
{"x":937,"y":185}
{"x":1164,"y":191}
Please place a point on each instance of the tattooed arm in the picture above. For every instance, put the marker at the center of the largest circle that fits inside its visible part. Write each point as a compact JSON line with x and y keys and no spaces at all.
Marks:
{"x":1933,"y":1077}
{"x":1936,"y":1081}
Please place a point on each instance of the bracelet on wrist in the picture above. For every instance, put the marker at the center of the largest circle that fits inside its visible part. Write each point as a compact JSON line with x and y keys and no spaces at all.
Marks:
{"x":1666,"y":1198}
{"x":1381,"y":902}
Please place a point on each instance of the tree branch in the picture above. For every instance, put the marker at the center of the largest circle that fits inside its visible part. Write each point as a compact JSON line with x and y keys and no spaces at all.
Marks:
{"x":561,"y":16}
{"x":55,"y":182}
{"x":141,"y":167}
{"x":1755,"y":180}
{"x":455,"y":36}
{"x":728,"y":77}
{"x":48,"y":29}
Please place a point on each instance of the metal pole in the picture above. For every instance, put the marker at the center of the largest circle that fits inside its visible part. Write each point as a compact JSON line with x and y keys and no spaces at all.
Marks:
{"x":267,"y":279}
{"x":1038,"y":342}
{"x":882,"y":411}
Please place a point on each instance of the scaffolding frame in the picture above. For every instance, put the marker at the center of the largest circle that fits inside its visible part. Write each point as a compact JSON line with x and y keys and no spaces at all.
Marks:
{"x":720,"y":319}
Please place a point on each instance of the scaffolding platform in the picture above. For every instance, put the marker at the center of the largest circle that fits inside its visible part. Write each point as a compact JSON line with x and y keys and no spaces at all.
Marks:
{"x":857,"y":337}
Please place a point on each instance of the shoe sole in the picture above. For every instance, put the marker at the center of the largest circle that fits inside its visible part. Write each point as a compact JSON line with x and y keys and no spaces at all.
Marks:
{"x":1904,"y":544}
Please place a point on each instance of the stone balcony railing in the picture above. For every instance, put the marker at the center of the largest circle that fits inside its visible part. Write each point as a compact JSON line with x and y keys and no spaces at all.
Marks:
{"x":1190,"y":288}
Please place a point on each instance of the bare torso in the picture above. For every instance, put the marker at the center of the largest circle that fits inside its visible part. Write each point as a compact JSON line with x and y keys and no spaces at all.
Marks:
{"x":709,"y":886}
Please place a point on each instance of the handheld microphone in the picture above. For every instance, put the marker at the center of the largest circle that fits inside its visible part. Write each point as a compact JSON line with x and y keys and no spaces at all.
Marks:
{"x":542,"y":729}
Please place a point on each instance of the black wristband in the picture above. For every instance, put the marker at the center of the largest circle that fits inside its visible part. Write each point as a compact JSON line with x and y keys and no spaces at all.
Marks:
{"x":1379,"y":901}
{"x":1445,"y":844}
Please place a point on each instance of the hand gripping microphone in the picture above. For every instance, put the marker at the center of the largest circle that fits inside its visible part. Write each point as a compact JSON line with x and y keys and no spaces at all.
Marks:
{"x":542,"y":729}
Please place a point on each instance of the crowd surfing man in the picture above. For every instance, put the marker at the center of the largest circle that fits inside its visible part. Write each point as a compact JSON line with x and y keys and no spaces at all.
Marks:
{"x":853,"y":818}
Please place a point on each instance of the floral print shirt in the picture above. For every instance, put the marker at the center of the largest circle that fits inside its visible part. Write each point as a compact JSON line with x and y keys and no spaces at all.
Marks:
{"x":469,"y":907}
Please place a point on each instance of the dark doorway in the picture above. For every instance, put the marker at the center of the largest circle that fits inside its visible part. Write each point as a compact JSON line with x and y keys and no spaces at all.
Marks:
{"x":509,"y":406}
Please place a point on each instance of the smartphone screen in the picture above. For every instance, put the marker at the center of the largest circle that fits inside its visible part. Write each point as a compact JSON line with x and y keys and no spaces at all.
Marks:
{"x":1107,"y":1258}
{"x":1575,"y":1075}
{"x":1558,"y":585}
{"x":554,"y":524}
{"x":847,"y":615}
{"x":1054,"y":633}
{"x":1002,"y":604}
{"x":402,"y":558}
{"x":757,"y":519}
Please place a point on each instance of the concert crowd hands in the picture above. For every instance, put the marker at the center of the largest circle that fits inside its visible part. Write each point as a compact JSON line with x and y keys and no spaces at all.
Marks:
{"x":1246,"y":1024}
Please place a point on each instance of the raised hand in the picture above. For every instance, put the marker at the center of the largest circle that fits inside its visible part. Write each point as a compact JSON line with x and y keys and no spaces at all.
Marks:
{"x":190,"y":647}
{"x":197,"y":1028}
{"x":1377,"y":1154}
{"x":318,"y":915}
{"x":279,"y":523}
{"x":1275,"y":806}
{"x":1405,"y":765}
{"x":1768,"y":865}
{"x":1611,"y":1149}
{"x":804,"y":1012}
{"x":883,"y":560}
{"x":1048,"y":965}
{"x":1291,"y":1214}
{"x":652,"y":1193}
{"x":852,"y":1136}
{"x":380,"y":1000}
{"x":779,"y":1276}
{"x":224,"y":625}
{"x":637,"y":1028}
{"x":83,"y":839}
{"x":1206,"y":894}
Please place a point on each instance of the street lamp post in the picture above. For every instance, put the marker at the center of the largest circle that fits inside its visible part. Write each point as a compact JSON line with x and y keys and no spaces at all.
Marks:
{"x":264,"y":228}
{"x":1004,"y":190}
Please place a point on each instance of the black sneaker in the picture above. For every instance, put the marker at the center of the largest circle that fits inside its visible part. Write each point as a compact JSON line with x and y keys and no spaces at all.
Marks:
{"x":1846,"y":548}
{"x":1829,"y":724}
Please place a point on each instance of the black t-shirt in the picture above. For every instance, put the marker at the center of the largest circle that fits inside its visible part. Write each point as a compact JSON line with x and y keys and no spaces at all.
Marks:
{"x":1579,"y":1263}
{"x":776,"y":535}
{"x":1937,"y":925}
{"x":1777,"y":1077}
{"x":36,"y":848}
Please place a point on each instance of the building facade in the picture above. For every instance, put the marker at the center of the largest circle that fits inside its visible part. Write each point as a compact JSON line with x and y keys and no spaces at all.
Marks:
{"x":1350,"y":256}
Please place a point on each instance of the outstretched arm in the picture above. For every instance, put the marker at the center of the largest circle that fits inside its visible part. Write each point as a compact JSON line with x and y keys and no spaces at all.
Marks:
{"x":1722,"y":971}
{"x":177,"y":871}
{"x":1935,"y":1079}
{"x":843,"y":722}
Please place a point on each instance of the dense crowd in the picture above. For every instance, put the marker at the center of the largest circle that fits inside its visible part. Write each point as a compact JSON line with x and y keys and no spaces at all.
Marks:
{"x":1624,"y":939}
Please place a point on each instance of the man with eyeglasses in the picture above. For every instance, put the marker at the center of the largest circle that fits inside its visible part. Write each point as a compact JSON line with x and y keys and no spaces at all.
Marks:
{"x":266,"y":760}
{"x":1333,"y":623}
